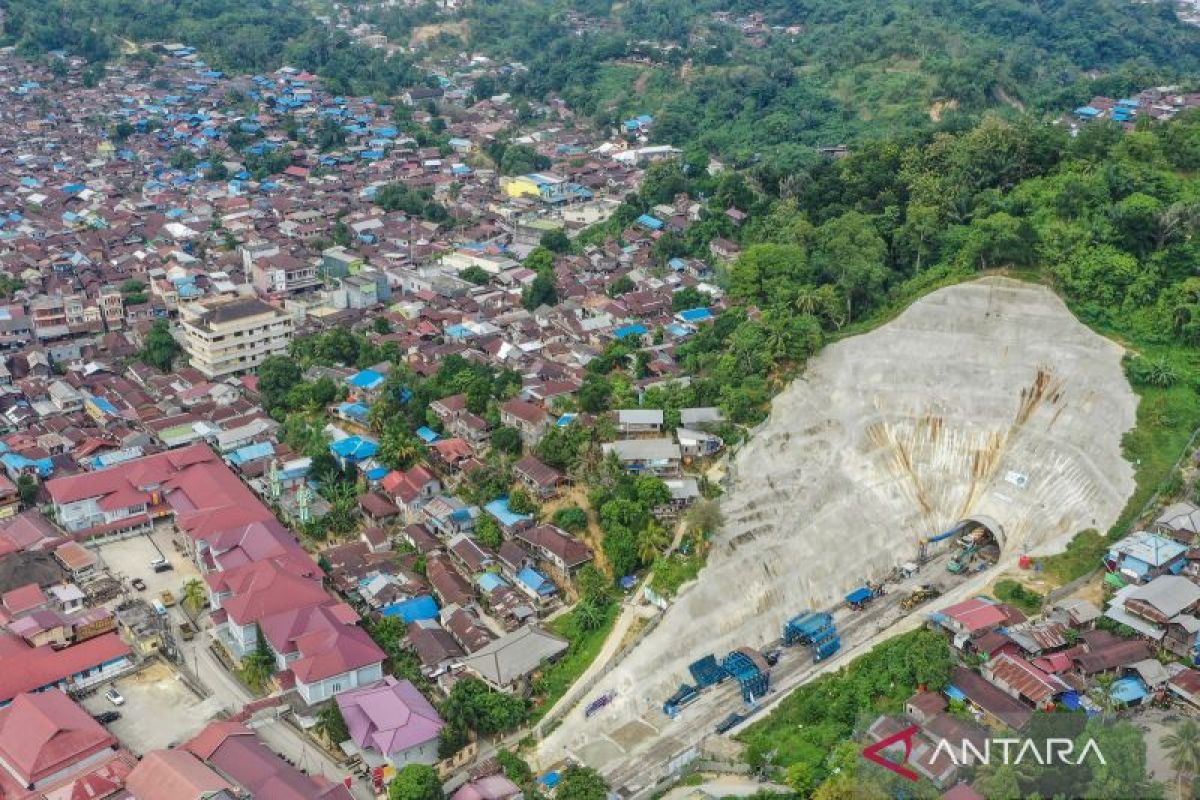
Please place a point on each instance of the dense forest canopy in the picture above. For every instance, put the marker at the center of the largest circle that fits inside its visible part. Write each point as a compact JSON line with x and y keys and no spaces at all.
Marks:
{"x":845,"y":73}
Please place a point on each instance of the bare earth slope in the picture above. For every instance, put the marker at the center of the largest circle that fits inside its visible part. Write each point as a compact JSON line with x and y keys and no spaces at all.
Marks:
{"x":983,"y":399}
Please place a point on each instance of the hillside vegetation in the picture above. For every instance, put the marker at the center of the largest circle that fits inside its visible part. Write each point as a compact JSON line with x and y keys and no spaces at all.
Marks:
{"x":837,"y":70}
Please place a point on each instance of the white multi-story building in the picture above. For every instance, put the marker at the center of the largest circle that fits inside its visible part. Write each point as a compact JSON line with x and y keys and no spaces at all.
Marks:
{"x":234,"y":336}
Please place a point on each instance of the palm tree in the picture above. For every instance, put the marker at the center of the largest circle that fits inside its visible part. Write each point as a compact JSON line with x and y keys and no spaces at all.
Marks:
{"x":589,"y":615}
{"x":831,"y":304}
{"x":808,"y":299}
{"x":652,"y":541}
{"x":398,"y":448}
{"x":1183,"y":749}
{"x":331,"y":725}
{"x":1103,"y":693}
{"x":194,"y":596}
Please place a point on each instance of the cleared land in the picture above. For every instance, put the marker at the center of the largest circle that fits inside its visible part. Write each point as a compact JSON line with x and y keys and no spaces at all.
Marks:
{"x":986,"y":400}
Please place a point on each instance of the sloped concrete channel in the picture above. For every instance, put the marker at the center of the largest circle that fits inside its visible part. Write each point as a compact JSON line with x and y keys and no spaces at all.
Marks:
{"x":985,"y":401}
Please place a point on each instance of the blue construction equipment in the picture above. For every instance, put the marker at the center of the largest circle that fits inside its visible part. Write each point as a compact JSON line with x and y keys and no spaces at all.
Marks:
{"x":750,"y":670}
{"x":863,"y":595}
{"x":923,"y":548}
{"x":685,"y":694}
{"x":828,"y":645}
{"x":707,"y":672}
{"x":803,"y":628}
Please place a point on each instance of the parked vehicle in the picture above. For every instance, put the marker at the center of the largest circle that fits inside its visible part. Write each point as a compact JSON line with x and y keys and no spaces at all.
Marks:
{"x":105,"y":717}
{"x":187,"y":632}
{"x":139,"y":584}
{"x":167,"y":598}
{"x":159,"y":608}
{"x":729,"y":723}
{"x":160,"y":564}
{"x":114,"y":697}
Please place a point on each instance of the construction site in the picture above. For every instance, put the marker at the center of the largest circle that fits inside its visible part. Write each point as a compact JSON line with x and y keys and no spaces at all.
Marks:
{"x":981,"y":425}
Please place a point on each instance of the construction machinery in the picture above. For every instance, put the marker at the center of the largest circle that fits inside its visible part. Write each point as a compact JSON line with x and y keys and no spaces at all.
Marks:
{"x":684,"y":696}
{"x":923,"y":547}
{"x":804,"y":628}
{"x":814,"y":629}
{"x":750,"y":670}
{"x":962,"y":560}
{"x":919,"y":595}
{"x":707,"y":672}
{"x":827,"y":645}
{"x":860,"y":597}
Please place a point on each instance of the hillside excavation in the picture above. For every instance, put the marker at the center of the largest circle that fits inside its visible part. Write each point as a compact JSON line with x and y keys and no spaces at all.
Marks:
{"x":985,"y":405}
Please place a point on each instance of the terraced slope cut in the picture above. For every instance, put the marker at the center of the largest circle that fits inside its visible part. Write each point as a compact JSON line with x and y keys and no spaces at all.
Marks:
{"x":983,"y":400}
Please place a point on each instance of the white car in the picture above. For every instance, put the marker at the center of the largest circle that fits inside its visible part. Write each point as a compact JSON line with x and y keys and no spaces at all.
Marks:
{"x":114,"y":697}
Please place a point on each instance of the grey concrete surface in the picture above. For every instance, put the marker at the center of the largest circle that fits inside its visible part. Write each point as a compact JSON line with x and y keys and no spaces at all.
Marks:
{"x":159,"y":710}
{"x":987,"y":398}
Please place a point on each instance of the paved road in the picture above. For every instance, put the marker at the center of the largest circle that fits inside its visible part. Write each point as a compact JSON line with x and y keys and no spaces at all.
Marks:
{"x":278,"y":735}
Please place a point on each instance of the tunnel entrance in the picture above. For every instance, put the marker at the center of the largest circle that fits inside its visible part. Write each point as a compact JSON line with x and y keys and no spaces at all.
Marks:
{"x":976,"y":545}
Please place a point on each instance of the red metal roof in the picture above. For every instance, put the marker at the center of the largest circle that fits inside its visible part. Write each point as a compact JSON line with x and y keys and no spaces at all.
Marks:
{"x":44,"y":733}
{"x":29,"y":668}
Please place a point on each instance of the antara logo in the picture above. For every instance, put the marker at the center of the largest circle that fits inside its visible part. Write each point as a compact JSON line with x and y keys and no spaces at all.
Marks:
{"x":1051,"y":752}
{"x":874,"y":753}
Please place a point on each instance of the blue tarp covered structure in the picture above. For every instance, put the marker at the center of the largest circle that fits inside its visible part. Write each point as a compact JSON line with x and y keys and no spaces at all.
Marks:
{"x":536,"y":582}
{"x":499,"y":509}
{"x":422,"y":607}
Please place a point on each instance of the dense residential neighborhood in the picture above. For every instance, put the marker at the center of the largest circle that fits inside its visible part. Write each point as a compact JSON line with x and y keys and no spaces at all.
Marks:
{"x":215,"y":342}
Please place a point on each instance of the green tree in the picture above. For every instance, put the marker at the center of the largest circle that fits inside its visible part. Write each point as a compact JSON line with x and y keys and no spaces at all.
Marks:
{"x":277,"y":376}
{"x":416,"y":782}
{"x":331,"y":724}
{"x":1183,"y":750}
{"x":704,"y":517}
{"x":27,"y":489}
{"x":581,"y":783}
{"x":159,"y":349}
{"x":476,"y":275}
{"x":194,"y":594}
{"x":571,"y":518}
{"x":472,"y":705}
{"x":542,"y":291}
{"x":398,"y":448}
{"x":259,"y":664}
{"x":516,"y":769}
{"x":507,"y":440}
{"x":487,"y":531}
{"x":556,"y":241}
{"x":850,"y":252}
{"x":520,"y":502}
{"x":770,"y":273}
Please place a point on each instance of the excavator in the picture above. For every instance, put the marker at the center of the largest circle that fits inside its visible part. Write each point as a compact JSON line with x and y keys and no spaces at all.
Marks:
{"x":919,"y":595}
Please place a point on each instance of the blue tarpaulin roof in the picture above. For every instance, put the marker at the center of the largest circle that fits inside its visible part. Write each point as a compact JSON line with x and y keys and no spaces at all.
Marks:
{"x":647,"y":221}
{"x":490,"y":581}
{"x":423,"y":607}
{"x":354,"y":448}
{"x":427,"y":434}
{"x":499,"y":509}
{"x":695,"y":315}
{"x":367,"y":379}
{"x":355,"y":411}
{"x":251,"y":452}
{"x":630,"y":330}
{"x":536,"y":582}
